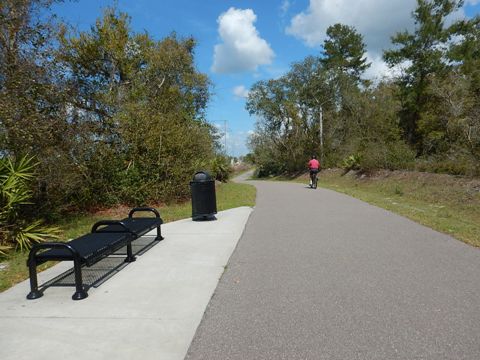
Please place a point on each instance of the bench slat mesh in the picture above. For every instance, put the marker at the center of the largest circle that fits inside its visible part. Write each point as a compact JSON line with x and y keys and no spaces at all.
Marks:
{"x":90,"y":247}
{"x":139,"y":226}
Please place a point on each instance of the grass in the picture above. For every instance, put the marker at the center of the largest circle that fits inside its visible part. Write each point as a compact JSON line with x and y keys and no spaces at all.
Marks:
{"x":229,"y":195}
{"x":442,"y":202}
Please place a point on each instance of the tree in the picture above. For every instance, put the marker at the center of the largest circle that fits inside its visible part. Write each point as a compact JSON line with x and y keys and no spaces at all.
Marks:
{"x":344,"y":51}
{"x":289,"y":110}
{"x":139,"y":105}
{"x":460,"y":92}
{"x":424,"y":51}
{"x":451,"y":123}
{"x":30,"y":119}
{"x":466,"y":51}
{"x":357,"y":122}
{"x":275,"y":103}
{"x":32,"y":97}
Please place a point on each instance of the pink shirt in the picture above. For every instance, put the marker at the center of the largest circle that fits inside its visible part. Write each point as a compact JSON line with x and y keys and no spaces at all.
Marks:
{"x":313,"y":164}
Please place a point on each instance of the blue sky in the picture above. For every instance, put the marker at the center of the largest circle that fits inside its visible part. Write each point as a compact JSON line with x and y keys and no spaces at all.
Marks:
{"x":244,"y":41}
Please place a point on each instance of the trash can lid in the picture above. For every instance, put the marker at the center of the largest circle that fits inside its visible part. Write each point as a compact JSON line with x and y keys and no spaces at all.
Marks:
{"x":201,"y":176}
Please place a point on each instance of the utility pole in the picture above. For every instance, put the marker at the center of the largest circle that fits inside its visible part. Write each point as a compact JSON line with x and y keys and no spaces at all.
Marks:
{"x":320,"y":121}
{"x":321,"y":135}
{"x":225,"y":136}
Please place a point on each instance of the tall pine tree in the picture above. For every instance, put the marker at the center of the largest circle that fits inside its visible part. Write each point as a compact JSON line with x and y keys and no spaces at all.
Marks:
{"x":424,"y":53}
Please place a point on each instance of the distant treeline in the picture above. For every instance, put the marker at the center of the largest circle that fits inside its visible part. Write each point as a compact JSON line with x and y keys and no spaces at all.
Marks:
{"x":427,"y":117}
{"x":110,"y":115}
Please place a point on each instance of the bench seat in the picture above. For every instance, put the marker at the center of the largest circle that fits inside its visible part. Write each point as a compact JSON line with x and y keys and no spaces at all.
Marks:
{"x":138,"y":226}
{"x":90,"y":248}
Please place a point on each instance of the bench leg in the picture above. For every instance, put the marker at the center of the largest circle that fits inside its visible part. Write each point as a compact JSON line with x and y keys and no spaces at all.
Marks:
{"x":159,"y":234}
{"x":80,"y":292}
{"x":32,"y":269}
{"x":130,"y":258}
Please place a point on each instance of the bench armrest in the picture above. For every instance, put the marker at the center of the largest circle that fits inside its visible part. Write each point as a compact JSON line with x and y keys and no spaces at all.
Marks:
{"x":110,"y":222}
{"x":51,"y":245}
{"x":137,"y":209}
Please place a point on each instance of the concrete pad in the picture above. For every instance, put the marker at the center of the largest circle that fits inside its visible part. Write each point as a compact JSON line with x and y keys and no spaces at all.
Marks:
{"x":148,"y":310}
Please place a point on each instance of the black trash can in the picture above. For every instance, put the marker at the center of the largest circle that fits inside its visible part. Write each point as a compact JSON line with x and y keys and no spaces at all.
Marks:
{"x":204,"y":201}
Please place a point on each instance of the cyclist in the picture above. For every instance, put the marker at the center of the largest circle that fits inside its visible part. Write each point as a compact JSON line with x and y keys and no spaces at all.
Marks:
{"x":314,"y":167}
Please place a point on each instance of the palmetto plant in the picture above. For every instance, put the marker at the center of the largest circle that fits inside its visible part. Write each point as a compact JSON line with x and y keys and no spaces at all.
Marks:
{"x":351,"y":162}
{"x":15,"y":193}
{"x":221,"y":168}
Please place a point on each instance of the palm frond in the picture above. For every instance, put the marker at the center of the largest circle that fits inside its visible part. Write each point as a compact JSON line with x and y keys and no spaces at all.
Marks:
{"x":4,"y":249}
{"x":15,"y":192}
{"x":23,"y":168}
{"x":36,"y":232}
{"x":15,"y":189}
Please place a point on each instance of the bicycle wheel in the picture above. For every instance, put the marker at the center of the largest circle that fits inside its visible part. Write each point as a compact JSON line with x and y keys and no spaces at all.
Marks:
{"x":315,"y":182}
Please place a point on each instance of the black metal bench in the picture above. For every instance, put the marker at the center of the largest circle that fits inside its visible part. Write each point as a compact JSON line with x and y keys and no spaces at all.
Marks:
{"x":139,"y":226}
{"x":106,"y":238}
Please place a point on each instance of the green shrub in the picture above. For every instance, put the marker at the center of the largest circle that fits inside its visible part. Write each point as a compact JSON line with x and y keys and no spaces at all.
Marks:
{"x":269,"y":168}
{"x":133,"y":190}
{"x":399,"y":156}
{"x":454,"y":164}
{"x":220,"y":168}
{"x":351,"y":162}
{"x":391,"y":156}
{"x":17,"y":230}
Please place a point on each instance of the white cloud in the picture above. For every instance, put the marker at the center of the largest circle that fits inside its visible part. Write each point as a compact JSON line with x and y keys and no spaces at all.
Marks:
{"x":284,"y":7}
{"x":376,"y":20}
{"x":240,"y":91}
{"x":242,"y":48}
{"x":236,"y":143}
{"x":379,"y":70}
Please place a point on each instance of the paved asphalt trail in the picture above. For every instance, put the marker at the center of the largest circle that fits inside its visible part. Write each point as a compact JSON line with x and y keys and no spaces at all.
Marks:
{"x":320,"y":275}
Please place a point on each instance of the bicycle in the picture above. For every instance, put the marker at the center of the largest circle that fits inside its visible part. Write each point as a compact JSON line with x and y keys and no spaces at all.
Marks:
{"x":313,"y":179}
